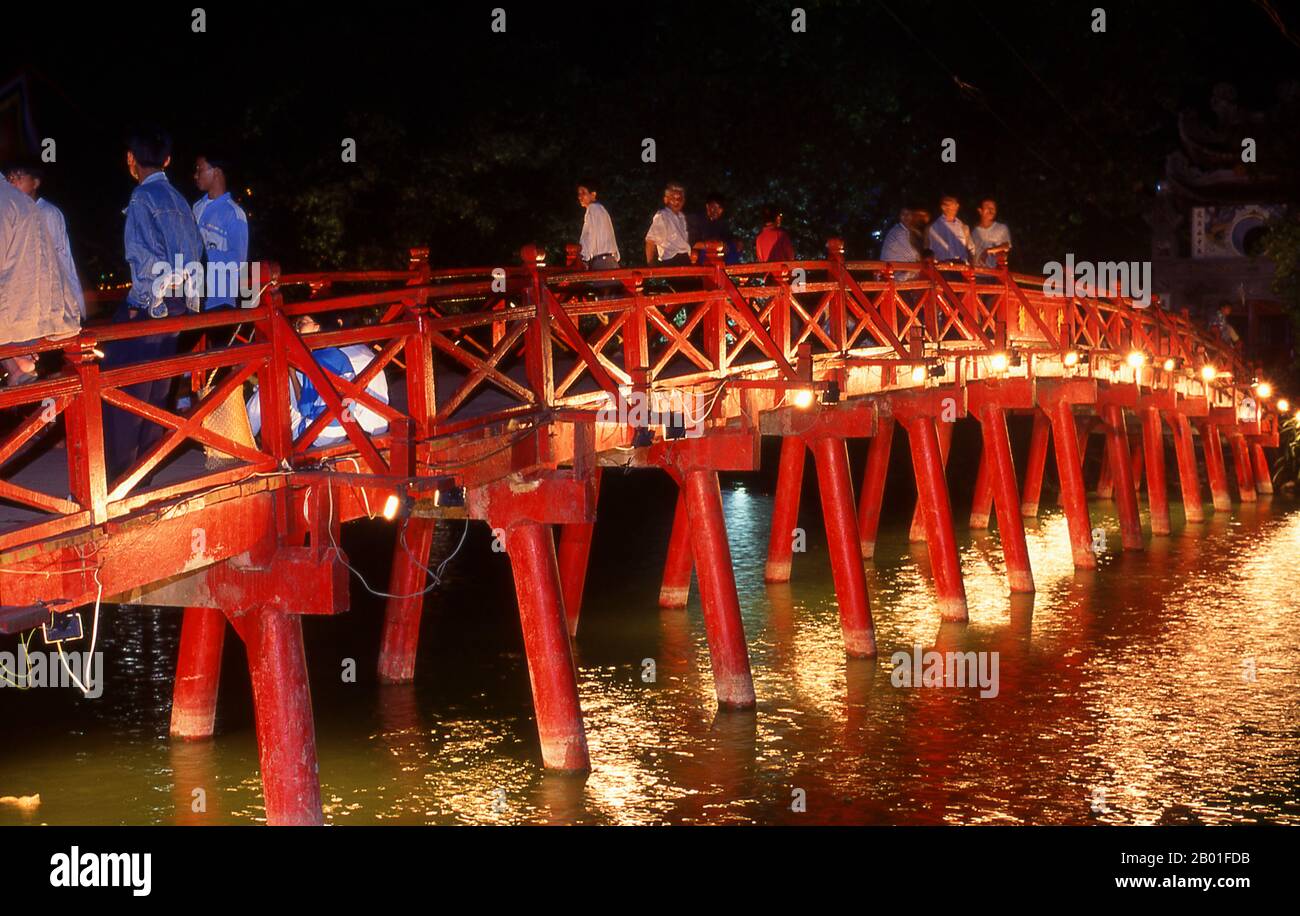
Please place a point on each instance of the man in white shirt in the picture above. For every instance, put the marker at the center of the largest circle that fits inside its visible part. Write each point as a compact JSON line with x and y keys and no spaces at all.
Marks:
{"x":599,"y":246}
{"x":35,"y":299}
{"x":667,"y":244}
{"x":948,"y":236}
{"x":989,"y":237}
{"x":27,"y":178}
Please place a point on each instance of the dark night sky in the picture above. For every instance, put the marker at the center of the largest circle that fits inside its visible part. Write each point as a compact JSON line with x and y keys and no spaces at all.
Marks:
{"x":471,"y":141}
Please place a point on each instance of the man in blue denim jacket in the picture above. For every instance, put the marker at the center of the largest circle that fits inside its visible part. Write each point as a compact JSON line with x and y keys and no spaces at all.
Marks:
{"x":164,"y":252}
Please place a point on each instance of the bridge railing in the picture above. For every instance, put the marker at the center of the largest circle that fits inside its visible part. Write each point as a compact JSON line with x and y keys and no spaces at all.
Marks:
{"x":466,"y":348}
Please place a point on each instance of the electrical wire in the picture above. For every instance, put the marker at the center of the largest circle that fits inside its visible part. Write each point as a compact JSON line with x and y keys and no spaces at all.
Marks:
{"x":436,"y":576}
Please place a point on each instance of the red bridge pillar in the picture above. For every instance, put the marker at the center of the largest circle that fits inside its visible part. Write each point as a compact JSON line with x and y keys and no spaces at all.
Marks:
{"x":1037,"y":464}
{"x":918,"y":531}
{"x":286,"y":735}
{"x":574,"y":557}
{"x":402,"y":613}
{"x":1185,"y":449}
{"x":1057,"y":400}
{"x":1006,"y":497}
{"x":546,"y":644}
{"x":936,"y":511}
{"x":695,"y":463}
{"x":1130,"y":523}
{"x":522,"y":507}
{"x":982,"y":503}
{"x":1263,"y":474}
{"x":1105,"y":482}
{"x":873,"y":485}
{"x":1215,"y":469}
{"x":198,"y":673}
{"x":1245,"y":472}
{"x":676,"y":587}
{"x":844,"y":542}
{"x":722,"y":624}
{"x":1153,"y":442}
{"x":785,"y":510}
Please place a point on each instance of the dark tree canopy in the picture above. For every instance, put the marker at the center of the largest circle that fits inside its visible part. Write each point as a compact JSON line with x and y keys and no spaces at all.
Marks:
{"x":471,"y":142}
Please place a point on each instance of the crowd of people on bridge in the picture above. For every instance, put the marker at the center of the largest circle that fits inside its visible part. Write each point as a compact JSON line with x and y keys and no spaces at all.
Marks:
{"x":182,"y":258}
{"x":676,"y":237}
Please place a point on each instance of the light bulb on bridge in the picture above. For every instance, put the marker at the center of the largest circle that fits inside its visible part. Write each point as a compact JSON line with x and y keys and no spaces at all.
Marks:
{"x":1168,"y":365}
{"x":998,"y":362}
{"x":1264,"y":390}
{"x":1137,"y":359}
{"x":1283,"y":405}
{"x":1071,"y":358}
{"x":1208,"y":372}
{"x":802,"y":398}
{"x":918,"y":374}
{"x":391,"y":506}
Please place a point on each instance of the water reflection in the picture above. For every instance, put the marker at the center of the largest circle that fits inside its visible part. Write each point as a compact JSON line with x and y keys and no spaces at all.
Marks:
{"x":1157,"y":689}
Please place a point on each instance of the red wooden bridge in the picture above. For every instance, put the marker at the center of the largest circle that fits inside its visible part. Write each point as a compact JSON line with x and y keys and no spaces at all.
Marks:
{"x":502,"y":381}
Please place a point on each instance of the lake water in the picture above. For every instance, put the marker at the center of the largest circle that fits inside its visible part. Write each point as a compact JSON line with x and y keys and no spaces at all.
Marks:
{"x":1161,"y":688}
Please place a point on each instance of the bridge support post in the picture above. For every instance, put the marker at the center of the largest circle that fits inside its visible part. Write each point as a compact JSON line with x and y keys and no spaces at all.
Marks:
{"x":918,"y":531}
{"x":836,"y":490}
{"x":873,"y":486}
{"x":1153,"y":442}
{"x":521,"y":508}
{"x":1263,"y":474}
{"x":546,"y":643}
{"x":785,"y":510}
{"x":722,"y":624}
{"x":1105,"y":481}
{"x":936,"y":509}
{"x":1215,"y":469}
{"x":676,"y":586}
{"x":574,"y":558}
{"x":1245,"y":472}
{"x":1137,"y":461}
{"x":1006,"y":497}
{"x":1188,"y":481}
{"x":982,"y":503}
{"x":198,"y":673}
{"x":1037,"y":464}
{"x":1130,"y":523}
{"x":402,"y":613}
{"x":1069,"y":467}
{"x":286,"y":734}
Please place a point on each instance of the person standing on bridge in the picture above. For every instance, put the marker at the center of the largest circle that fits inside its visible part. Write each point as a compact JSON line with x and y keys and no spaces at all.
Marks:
{"x":164,"y":252}
{"x":904,"y":242}
{"x":37,"y":298}
{"x":989,"y":237}
{"x":712,"y":226}
{"x":224,"y":227}
{"x":667,"y":243}
{"x":597,"y":241}
{"x":948,"y":236}
{"x":27,"y":177}
{"x":773,"y":242}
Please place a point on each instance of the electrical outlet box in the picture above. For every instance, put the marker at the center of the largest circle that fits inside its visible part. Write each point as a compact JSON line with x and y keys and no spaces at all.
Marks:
{"x":62,"y":628}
